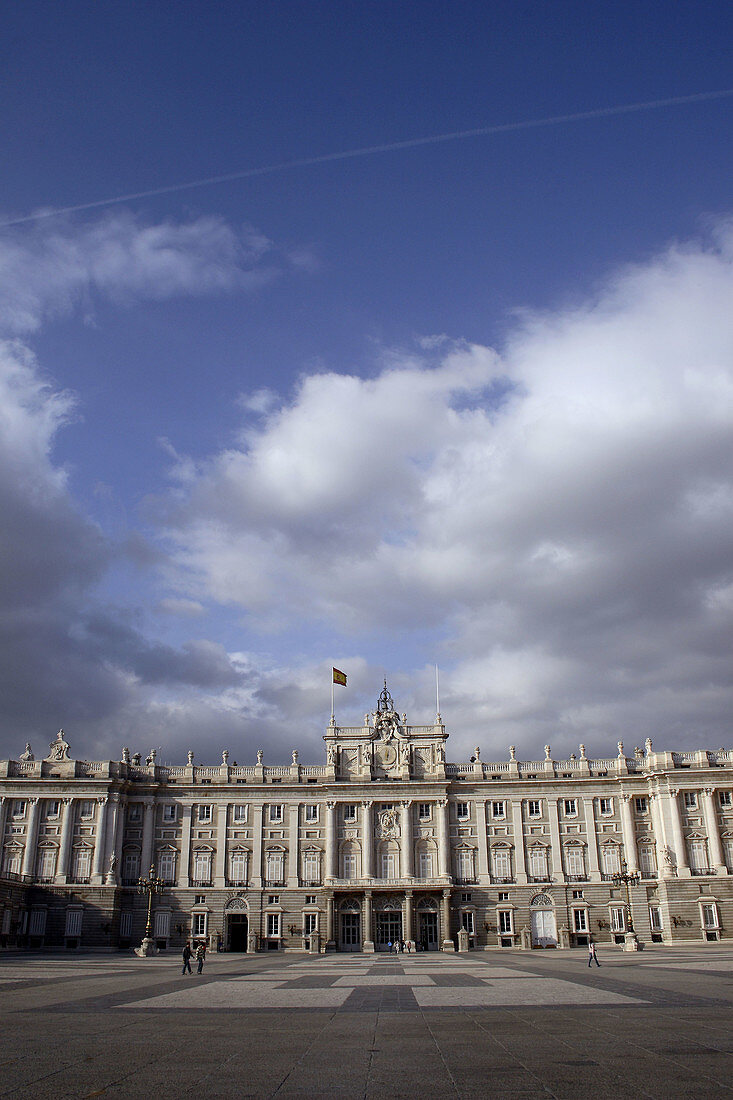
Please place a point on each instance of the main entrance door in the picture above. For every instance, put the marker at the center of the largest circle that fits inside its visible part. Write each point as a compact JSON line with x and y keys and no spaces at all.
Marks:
{"x":237,"y":931}
{"x":544,"y":930}
{"x":388,"y":929}
{"x":428,"y":931}
{"x":350,"y":932}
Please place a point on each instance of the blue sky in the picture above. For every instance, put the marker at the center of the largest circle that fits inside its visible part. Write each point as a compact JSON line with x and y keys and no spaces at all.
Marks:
{"x":461,"y":402}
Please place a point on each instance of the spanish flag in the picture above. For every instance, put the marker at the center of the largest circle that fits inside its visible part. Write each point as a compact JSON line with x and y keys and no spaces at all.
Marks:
{"x":339,"y":677}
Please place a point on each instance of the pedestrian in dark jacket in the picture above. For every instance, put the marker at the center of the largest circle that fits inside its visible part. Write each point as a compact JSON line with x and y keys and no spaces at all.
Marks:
{"x":187,"y":953}
{"x":592,"y":957}
{"x":200,"y":956}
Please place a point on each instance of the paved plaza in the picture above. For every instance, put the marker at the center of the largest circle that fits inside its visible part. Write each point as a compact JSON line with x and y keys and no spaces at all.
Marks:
{"x":541,"y":1024}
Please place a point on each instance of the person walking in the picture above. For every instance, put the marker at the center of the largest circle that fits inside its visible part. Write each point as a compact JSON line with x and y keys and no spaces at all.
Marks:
{"x":592,"y":957}
{"x":200,"y":956}
{"x":187,"y":953}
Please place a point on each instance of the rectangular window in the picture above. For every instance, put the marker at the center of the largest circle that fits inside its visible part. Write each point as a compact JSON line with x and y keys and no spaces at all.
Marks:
{"x":505,"y":921}
{"x":611,"y":860}
{"x":426,"y":865}
{"x":571,"y":807}
{"x":134,"y":812}
{"x":131,"y":867}
{"x":580,"y":920}
{"x":162,"y":928}
{"x":276,"y":814}
{"x":198,"y":923}
{"x":690,"y":800}
{"x":728,"y":845}
{"x":273,"y":899}
{"x":204,"y":813}
{"x":81,"y":865}
{"x":46,"y":864}
{"x":498,"y":810}
{"x":238,"y":867}
{"x":575,"y":861}
{"x":312,"y":866}
{"x":501,"y":861}
{"x":618,"y":919}
{"x":310,"y":923}
{"x":725,"y":799}
{"x":388,"y":865}
{"x":74,"y":918}
{"x":310,"y":899}
{"x":311,"y":812}
{"x":239,"y":814}
{"x":647,"y":859}
{"x":53,"y":809}
{"x":606,"y":806}
{"x":577,"y":894}
{"x":349,"y":813}
{"x":655,"y":918}
{"x":467,"y":921}
{"x":461,"y":810}
{"x":465,"y":861}
{"x":166,"y":865}
{"x":699,"y":855}
{"x":423,"y":811}
{"x":125,"y":924}
{"x":170,"y":812}
{"x":709,"y":916}
{"x":538,"y":863}
{"x":275,"y":865}
{"x":641,"y":805}
{"x":503,"y":895}
{"x":202,"y":868}
{"x":534,"y":808}
{"x":19,"y":809}
{"x":86,"y":810}
{"x":273,"y":926}
{"x":38,"y":922}
{"x":349,"y":865}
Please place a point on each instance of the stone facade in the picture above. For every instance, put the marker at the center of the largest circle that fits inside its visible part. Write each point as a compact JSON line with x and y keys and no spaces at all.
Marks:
{"x":385,"y":841}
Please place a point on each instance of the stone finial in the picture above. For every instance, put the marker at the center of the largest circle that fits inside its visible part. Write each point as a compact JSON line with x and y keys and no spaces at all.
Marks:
{"x":648,"y":746}
{"x":260,"y":755}
{"x":136,"y":759}
{"x":225,"y":756}
{"x":58,"y":749}
{"x":125,"y":755}
{"x":512,"y":752}
{"x":547,"y":752}
{"x":477,"y":752}
{"x":620,"y":746}
{"x":582,"y":751}
{"x":190,"y":757}
{"x":295,"y":756}
{"x":150,"y":758}
{"x":28,"y":754}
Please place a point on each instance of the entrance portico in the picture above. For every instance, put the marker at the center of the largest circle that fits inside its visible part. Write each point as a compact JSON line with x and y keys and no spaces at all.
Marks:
{"x":370,"y":920}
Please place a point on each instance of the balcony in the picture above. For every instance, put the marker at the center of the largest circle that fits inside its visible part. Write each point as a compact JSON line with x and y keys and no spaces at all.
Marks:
{"x":649,"y":874}
{"x":698,"y":871}
{"x":502,"y":881}
{"x":201,"y":881}
{"x":238,"y":882}
{"x":45,"y":880}
{"x":470,"y":881}
{"x":270,"y":882}
{"x":576,"y":878}
{"x":313,"y":883}
{"x":539,"y":878}
{"x":78,"y":880}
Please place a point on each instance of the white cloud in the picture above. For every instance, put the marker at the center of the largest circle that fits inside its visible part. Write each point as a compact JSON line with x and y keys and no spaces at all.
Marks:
{"x":56,"y":266}
{"x":561,"y":509}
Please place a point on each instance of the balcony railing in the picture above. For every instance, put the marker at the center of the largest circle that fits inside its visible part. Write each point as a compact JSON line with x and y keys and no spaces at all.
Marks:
{"x":539,"y":878}
{"x":201,"y":881}
{"x":702,"y":871}
{"x":471,"y":880}
{"x":502,"y":881}
{"x":78,"y":880}
{"x":576,"y":878}
{"x":270,"y":882}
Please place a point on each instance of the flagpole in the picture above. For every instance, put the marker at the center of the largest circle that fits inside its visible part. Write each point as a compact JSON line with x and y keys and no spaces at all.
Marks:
{"x":437,"y":697}
{"x":333,"y":716}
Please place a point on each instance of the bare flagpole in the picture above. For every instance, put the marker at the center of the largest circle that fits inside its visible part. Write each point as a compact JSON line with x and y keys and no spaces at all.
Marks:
{"x":437,"y":697}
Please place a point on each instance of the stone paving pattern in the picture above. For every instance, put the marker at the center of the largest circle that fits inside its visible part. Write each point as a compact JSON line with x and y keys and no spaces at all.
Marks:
{"x":656,"y":1024}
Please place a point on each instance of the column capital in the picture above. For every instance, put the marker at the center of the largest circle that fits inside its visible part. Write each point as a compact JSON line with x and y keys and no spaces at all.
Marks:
{"x":709,"y":791}
{"x":331,"y":804}
{"x":674,"y":791}
{"x":102,"y":799}
{"x":367,"y":803}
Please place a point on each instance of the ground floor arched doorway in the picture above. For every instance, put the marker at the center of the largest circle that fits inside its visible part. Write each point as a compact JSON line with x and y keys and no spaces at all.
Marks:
{"x":542,"y":919}
{"x":236,"y":925}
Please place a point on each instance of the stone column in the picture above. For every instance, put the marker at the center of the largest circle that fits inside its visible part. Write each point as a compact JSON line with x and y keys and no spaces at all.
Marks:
{"x":592,"y":838}
{"x":331,"y":842}
{"x":483,"y":842}
{"x":148,"y":836}
{"x":520,"y":863}
{"x":367,"y":841}
{"x":664,"y":867}
{"x":221,"y":846}
{"x":330,"y":942}
{"x":367,"y":929}
{"x":293,"y":847}
{"x":99,"y":842}
{"x":683,"y":868}
{"x":184,"y":870}
{"x":406,"y":870}
{"x":558,"y":871}
{"x":258,"y":813}
{"x":711,"y":822}
{"x":448,"y":944}
{"x":627,"y":829}
{"x":31,"y":836}
{"x":67,"y":826}
{"x":113,"y":844}
{"x":444,"y":838}
{"x":407,"y":934}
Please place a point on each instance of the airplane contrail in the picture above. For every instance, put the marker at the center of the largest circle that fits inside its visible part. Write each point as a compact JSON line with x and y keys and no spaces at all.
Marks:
{"x":369,"y":150}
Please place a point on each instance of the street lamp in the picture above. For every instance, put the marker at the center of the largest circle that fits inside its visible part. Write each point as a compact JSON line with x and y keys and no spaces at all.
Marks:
{"x":150,"y":886}
{"x":627,"y":878}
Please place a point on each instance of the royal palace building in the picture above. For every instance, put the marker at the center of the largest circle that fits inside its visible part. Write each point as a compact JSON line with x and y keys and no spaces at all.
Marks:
{"x":384,"y":842}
